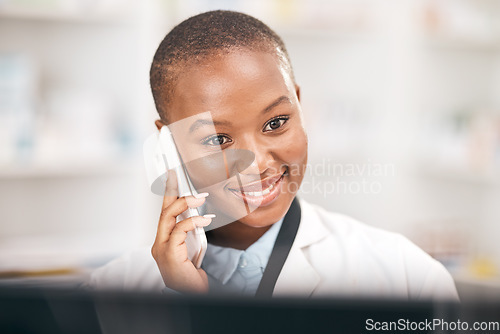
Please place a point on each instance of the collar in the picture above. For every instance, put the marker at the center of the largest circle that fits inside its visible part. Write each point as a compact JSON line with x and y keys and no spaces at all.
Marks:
{"x":222,"y":262}
{"x":311,"y":228}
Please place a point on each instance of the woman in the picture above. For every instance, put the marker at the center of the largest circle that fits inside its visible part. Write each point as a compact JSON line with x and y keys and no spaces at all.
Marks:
{"x":236,"y":68}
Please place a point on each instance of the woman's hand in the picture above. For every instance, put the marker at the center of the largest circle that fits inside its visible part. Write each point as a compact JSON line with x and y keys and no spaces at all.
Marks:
{"x":169,"y":249}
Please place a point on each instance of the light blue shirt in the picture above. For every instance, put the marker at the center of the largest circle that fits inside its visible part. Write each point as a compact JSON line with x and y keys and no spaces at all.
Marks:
{"x":232,"y":270}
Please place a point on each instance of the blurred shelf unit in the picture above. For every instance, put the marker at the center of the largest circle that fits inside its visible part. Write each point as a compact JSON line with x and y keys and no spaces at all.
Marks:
{"x":460,"y":174}
{"x":457,"y":43}
{"x":312,"y":33}
{"x":462,"y":25}
{"x":62,"y":113}
{"x":54,"y":260}
{"x":68,"y":169}
{"x":308,"y":19}
{"x":462,"y":145}
{"x":474,"y":289}
{"x":70,"y":279}
{"x":471,"y":280}
{"x":74,"y":13}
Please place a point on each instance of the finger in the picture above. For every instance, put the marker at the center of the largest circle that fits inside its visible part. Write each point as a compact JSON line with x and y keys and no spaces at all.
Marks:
{"x":169,"y":214}
{"x":179,"y":233}
{"x":171,"y":189}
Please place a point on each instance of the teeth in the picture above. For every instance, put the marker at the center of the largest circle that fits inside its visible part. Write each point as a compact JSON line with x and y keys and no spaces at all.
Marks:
{"x":259,"y":193}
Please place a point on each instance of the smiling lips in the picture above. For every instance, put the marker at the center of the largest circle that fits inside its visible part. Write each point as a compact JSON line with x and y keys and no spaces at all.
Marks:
{"x":260,"y":193}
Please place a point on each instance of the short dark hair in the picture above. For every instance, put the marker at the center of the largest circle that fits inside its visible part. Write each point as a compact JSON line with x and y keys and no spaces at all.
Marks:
{"x":203,"y":35}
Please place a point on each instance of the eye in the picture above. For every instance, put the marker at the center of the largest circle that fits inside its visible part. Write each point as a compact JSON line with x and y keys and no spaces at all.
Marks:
{"x":275,"y":123}
{"x":216,"y":140}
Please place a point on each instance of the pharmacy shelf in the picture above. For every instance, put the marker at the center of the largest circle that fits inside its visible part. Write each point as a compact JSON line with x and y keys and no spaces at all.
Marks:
{"x":57,"y":255}
{"x":331,"y":34}
{"x":493,"y":282}
{"x":67,"y":169}
{"x":63,"y":16}
{"x":460,"y":174}
{"x":458,"y":43}
{"x":72,"y":280}
{"x":474,"y":289}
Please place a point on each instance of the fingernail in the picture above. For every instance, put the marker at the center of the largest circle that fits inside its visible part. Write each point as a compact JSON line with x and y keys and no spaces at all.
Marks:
{"x":209,"y":215}
{"x":202,"y":220}
{"x":200,"y":195}
{"x":194,"y":202}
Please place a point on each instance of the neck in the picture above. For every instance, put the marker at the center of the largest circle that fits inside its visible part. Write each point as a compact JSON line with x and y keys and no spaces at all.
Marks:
{"x":236,"y":235}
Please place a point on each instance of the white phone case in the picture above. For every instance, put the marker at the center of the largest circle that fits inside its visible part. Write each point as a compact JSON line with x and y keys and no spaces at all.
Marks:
{"x":160,"y":154}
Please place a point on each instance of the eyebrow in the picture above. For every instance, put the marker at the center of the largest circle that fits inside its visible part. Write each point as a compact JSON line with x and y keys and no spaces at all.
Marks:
{"x":277,"y":102}
{"x":200,"y":122}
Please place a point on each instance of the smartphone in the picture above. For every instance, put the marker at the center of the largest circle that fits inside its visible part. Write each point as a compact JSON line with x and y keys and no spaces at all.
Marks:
{"x":161,"y":155}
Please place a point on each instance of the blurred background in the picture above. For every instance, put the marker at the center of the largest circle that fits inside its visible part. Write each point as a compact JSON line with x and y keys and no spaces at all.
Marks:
{"x":401,"y":101}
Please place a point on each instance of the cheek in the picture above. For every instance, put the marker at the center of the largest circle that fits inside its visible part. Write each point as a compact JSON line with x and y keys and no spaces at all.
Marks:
{"x":294,"y":152}
{"x":220,"y":167}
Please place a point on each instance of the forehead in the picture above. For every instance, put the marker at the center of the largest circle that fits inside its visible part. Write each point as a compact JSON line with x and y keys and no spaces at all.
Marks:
{"x":228,"y":85}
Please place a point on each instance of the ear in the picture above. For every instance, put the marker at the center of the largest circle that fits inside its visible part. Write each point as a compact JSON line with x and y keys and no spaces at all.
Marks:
{"x":159,"y":123}
{"x":297,"y":91}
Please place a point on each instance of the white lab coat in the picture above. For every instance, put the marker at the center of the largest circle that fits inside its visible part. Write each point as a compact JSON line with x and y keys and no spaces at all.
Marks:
{"x":332,"y":255}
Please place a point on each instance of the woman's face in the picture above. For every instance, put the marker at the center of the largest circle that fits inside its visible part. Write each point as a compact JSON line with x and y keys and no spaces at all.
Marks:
{"x":254,"y":106}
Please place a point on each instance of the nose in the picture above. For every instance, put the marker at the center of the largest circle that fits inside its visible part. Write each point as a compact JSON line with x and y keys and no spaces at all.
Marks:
{"x":262,"y":151}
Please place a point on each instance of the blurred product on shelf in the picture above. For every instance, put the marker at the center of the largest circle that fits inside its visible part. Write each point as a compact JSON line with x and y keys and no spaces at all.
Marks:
{"x":461,"y":20}
{"x":64,"y":125}
{"x":466,"y":141}
{"x":315,"y":15}
{"x":18,"y":106}
{"x":67,"y":9}
{"x":78,"y":124}
{"x":446,"y":241}
{"x":483,"y":268}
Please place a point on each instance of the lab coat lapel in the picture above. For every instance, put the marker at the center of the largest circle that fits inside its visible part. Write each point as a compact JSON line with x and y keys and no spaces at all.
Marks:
{"x":298,"y":276}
